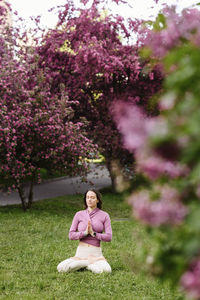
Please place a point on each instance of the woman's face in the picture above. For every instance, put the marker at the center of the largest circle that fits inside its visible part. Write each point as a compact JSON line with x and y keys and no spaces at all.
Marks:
{"x":91,"y":200}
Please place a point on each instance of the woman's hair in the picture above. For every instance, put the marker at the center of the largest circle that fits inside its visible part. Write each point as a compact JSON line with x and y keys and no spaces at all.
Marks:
{"x":98,"y":194}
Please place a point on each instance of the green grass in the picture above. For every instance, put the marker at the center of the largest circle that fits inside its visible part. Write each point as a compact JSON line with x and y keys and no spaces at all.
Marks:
{"x":33,"y":243}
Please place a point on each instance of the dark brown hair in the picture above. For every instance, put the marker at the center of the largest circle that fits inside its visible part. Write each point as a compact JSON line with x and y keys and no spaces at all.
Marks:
{"x":98,"y":194}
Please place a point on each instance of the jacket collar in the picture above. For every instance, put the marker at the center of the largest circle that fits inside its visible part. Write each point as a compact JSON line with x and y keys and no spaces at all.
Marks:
{"x":93,"y":212}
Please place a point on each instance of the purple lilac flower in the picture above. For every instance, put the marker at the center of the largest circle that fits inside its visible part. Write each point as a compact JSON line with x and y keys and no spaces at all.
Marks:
{"x":185,"y":26}
{"x":190,"y":281}
{"x":132,"y":123}
{"x":167,"y":210}
{"x":155,"y":167}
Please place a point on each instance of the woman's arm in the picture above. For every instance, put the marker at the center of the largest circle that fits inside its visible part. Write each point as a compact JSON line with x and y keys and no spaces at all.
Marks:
{"x":107,"y":235}
{"x":73,"y":233}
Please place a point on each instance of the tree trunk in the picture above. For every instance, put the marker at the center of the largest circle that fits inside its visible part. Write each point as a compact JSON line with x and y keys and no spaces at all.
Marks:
{"x":119,"y":182}
{"x":26,"y":201}
{"x":22,"y":197}
{"x":112,"y":177}
{"x":30,"y":196}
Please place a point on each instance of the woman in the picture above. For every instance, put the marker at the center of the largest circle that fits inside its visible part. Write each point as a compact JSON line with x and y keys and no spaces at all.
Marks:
{"x":88,"y":226}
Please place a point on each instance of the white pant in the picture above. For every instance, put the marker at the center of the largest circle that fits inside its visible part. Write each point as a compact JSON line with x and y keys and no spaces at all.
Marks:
{"x":99,"y":266}
{"x":87,"y":250}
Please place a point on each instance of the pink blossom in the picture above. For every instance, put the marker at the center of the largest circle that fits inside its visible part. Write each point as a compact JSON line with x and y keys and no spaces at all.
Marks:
{"x":155,"y":166}
{"x":186,"y":25}
{"x":167,"y":210}
{"x":190,"y":280}
{"x":167,"y":102}
{"x":132,"y":124}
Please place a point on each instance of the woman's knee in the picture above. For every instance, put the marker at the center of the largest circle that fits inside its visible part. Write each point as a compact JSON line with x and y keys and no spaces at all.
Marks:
{"x":70,"y":265}
{"x":64,"y":265}
{"x":100,"y":266}
{"x":78,"y":264}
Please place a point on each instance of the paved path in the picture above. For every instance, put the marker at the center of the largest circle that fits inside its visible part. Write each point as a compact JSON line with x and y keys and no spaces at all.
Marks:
{"x":98,"y":178}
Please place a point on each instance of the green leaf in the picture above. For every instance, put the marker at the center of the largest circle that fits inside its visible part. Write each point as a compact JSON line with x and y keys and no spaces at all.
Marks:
{"x":145,"y":52}
{"x":191,"y":248}
{"x":160,"y":23}
{"x":194,"y":220}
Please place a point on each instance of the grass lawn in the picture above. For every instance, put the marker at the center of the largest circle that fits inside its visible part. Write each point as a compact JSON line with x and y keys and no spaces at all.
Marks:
{"x":33,"y":243}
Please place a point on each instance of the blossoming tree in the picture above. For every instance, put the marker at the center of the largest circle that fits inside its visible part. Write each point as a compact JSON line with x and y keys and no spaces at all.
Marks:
{"x":97,"y":68}
{"x":36,"y":127}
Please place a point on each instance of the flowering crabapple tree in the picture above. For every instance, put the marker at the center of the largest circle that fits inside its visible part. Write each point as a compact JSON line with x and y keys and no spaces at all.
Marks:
{"x":167,"y":150}
{"x":4,"y":13}
{"x":36,"y":127}
{"x":96,"y":68}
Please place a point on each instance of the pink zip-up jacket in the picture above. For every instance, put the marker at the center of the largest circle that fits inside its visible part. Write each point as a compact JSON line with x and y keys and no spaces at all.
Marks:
{"x":100,"y":222}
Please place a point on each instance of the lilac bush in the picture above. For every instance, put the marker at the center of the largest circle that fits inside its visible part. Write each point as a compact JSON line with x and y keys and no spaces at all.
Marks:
{"x":165,"y":211}
{"x":166,"y":148}
{"x":191,"y":280}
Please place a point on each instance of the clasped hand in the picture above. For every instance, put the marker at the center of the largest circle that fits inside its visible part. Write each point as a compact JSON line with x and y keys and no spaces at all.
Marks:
{"x":89,"y":229}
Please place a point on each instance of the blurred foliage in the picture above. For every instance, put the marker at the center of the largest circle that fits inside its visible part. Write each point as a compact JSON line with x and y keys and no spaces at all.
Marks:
{"x":176,"y":247}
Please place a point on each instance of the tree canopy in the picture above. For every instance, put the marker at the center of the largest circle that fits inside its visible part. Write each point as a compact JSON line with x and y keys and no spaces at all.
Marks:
{"x":36,"y":126}
{"x":90,"y":54}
